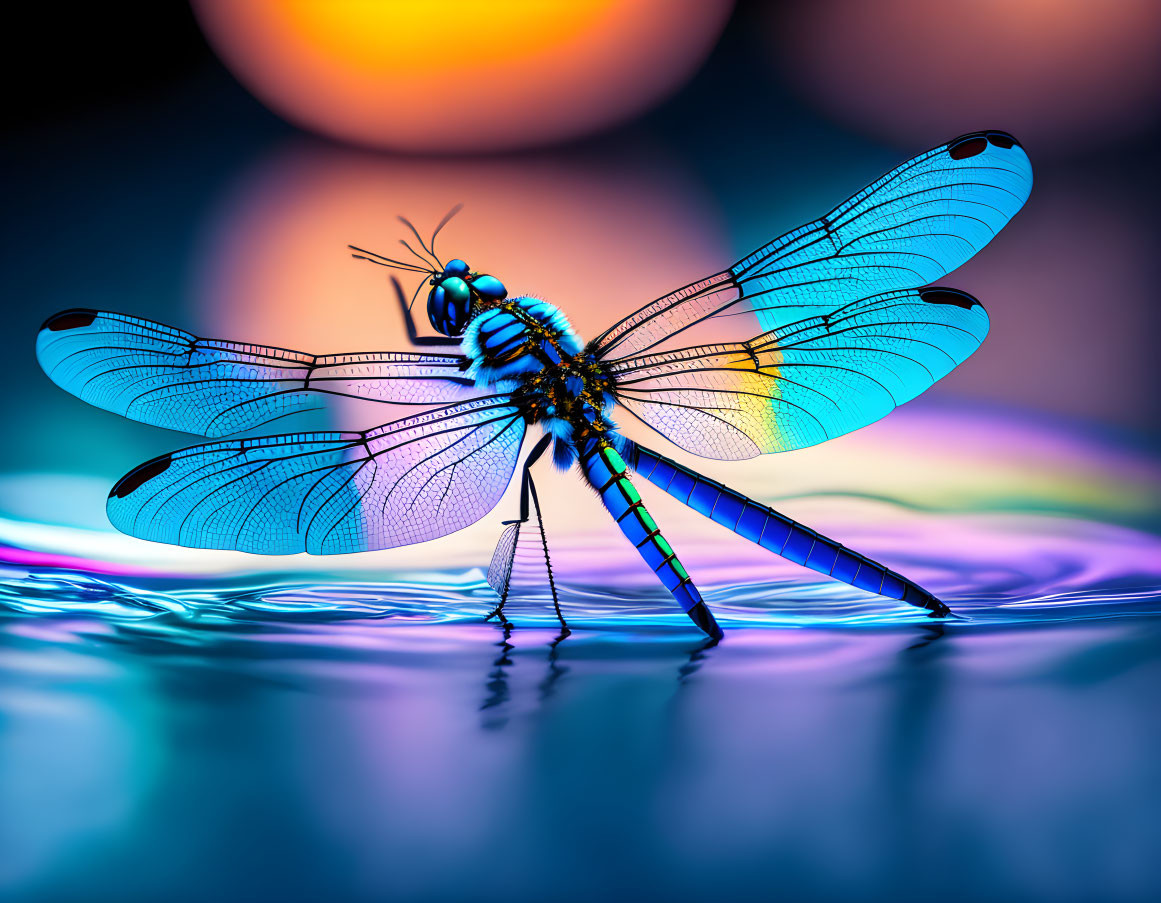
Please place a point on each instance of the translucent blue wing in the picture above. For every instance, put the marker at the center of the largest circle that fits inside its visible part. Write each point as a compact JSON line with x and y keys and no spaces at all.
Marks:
{"x":326,"y":493}
{"x":805,"y":382}
{"x":909,"y":228}
{"x":163,"y":376}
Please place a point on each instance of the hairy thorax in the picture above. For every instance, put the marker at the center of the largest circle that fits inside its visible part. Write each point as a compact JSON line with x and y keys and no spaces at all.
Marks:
{"x":526,"y":347}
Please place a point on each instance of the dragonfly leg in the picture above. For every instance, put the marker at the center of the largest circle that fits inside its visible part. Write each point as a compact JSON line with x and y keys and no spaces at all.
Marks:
{"x":409,"y":322}
{"x":564,"y":631}
{"x":526,"y":478}
{"x":500,"y":571}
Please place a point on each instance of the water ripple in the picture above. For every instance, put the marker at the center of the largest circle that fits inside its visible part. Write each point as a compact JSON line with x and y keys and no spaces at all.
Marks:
{"x":1094,"y":571}
{"x":1049,"y":525}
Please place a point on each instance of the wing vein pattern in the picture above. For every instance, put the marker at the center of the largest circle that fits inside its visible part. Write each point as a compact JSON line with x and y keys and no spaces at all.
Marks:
{"x":828,"y":327}
{"x":408,"y":481}
{"x":167,"y":377}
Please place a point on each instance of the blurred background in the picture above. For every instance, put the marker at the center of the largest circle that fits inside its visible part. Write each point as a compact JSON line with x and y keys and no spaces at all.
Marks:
{"x":606,"y":152}
{"x":207,"y":166}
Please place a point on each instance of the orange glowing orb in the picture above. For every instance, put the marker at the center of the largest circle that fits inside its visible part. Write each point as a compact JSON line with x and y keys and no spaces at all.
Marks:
{"x":461,"y":75}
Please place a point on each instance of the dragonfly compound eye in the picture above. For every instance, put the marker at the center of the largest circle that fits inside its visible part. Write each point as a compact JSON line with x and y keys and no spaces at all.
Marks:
{"x":449,"y":306}
{"x":488,"y":288}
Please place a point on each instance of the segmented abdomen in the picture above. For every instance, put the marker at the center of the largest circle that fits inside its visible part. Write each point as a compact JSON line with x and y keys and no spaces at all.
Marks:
{"x":777,"y":532}
{"x":607,"y":472}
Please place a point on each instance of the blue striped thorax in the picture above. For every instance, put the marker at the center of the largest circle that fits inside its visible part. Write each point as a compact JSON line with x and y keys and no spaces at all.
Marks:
{"x":526,"y":347}
{"x":517,"y":337}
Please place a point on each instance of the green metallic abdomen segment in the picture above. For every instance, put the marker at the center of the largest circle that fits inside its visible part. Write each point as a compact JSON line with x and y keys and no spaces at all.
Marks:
{"x":607,"y":472}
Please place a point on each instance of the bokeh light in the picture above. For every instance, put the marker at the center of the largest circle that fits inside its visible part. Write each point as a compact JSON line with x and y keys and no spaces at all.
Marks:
{"x":460,"y":75}
{"x":1062,"y":74}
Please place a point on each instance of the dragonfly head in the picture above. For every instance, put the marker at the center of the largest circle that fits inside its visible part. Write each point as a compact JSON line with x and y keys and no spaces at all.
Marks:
{"x":454,"y":293}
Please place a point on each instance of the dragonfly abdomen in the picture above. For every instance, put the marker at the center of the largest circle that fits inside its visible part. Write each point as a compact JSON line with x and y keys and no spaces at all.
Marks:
{"x":607,"y":472}
{"x":780,"y":534}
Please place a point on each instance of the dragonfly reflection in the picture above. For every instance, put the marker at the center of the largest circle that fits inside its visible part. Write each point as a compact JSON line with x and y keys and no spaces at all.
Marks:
{"x":820,"y":332}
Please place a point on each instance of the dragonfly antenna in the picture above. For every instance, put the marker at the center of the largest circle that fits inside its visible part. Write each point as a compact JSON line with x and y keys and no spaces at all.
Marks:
{"x":447,"y":218}
{"x":419,"y":238}
{"x":391,"y":263}
{"x":417,"y":254}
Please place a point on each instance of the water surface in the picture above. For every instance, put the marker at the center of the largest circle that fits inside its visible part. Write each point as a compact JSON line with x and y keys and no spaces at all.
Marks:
{"x":188,"y":726}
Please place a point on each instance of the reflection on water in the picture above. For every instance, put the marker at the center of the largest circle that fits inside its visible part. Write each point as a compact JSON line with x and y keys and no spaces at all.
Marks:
{"x":256,"y":756}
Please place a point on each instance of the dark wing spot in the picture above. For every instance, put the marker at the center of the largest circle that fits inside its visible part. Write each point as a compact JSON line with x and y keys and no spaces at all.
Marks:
{"x":139,"y":476}
{"x":69,"y":319}
{"x":1003,"y":139}
{"x":941,"y":295}
{"x":967,"y":146}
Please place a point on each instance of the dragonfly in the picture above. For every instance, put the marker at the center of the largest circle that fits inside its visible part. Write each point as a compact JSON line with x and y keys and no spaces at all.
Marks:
{"x":817,"y":333}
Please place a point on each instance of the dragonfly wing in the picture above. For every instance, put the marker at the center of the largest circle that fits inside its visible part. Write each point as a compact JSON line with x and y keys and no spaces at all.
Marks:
{"x":909,"y":228}
{"x":805,"y":382}
{"x":503,"y":559}
{"x":166,"y":377}
{"x":408,"y":481}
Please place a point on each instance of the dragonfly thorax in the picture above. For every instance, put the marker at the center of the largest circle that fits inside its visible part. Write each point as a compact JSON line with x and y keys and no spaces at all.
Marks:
{"x":525,"y":346}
